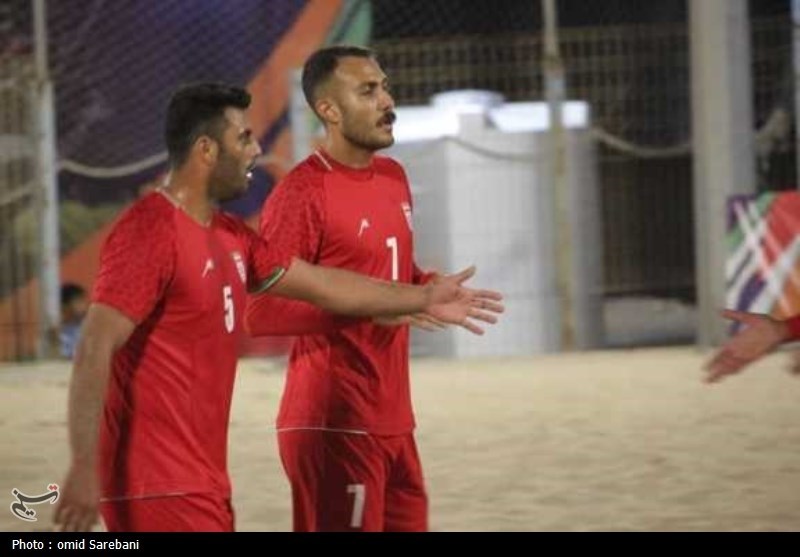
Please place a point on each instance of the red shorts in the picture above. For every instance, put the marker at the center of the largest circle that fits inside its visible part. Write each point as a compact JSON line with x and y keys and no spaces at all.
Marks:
{"x":354,"y":482}
{"x":197,"y":512}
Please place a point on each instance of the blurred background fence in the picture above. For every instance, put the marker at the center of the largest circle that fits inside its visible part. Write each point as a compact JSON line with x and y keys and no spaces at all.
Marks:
{"x":112,"y":65}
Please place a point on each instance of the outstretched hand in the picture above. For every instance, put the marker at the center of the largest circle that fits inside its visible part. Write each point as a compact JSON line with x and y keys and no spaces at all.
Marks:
{"x":761,"y":334}
{"x":452,"y":303}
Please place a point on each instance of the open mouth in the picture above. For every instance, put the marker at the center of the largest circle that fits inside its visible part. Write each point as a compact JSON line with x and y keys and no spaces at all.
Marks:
{"x":249,"y":172}
{"x":387,"y":121}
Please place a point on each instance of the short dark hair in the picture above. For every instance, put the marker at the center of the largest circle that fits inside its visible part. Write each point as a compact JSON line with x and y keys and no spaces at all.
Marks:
{"x":71,"y":292}
{"x":198,"y":109}
{"x":321,"y":65}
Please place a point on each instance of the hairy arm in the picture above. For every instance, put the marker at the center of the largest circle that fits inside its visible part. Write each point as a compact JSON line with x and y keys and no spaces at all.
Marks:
{"x":269,"y":315}
{"x":345,"y":292}
{"x":104,"y":331}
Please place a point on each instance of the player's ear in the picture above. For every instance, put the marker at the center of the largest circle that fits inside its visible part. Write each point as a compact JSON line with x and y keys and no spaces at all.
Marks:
{"x":328,"y":111}
{"x":207,"y":148}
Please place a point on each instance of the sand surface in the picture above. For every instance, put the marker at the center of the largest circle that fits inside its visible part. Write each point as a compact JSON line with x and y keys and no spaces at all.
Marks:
{"x":610,"y":440}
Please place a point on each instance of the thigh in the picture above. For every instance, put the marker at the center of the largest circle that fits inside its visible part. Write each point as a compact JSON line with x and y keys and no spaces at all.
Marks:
{"x":337,"y":480}
{"x":184,"y":513}
{"x":406,"y":498}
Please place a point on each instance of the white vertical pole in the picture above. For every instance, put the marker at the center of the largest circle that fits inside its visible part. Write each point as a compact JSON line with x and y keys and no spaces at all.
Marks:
{"x":723,"y":143}
{"x":555,"y":88}
{"x":49,"y":278}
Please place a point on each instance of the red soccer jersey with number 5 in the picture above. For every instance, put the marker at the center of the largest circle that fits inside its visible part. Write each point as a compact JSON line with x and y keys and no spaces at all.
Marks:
{"x":165,"y":423}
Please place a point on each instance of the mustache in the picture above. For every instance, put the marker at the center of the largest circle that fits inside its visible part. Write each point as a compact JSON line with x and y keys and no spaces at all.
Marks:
{"x":388,"y":118}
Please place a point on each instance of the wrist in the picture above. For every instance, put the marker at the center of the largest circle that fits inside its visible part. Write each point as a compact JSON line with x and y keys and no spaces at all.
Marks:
{"x":429,"y":292}
{"x":428,"y":278}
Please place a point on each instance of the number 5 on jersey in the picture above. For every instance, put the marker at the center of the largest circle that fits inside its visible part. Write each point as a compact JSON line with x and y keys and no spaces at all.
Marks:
{"x":227,"y":300}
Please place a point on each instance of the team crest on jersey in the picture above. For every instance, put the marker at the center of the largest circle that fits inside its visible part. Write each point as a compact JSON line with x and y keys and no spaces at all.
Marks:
{"x":237,"y":259}
{"x":407,"y":212}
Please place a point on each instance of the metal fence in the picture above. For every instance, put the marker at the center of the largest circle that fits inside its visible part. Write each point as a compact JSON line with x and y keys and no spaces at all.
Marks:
{"x":636,"y":80}
{"x":19,"y":186}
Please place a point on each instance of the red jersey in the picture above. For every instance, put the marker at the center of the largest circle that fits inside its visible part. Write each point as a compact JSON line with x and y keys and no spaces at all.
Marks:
{"x":354,"y":377}
{"x":165,"y":422}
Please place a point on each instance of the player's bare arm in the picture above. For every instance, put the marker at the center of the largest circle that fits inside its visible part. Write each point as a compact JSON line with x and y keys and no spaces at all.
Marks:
{"x":341,"y":291}
{"x":273,"y":315}
{"x":104,"y":330}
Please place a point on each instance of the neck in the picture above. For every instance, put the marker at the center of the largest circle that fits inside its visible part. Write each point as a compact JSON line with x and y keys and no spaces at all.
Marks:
{"x":182,"y":189}
{"x":346,"y":153}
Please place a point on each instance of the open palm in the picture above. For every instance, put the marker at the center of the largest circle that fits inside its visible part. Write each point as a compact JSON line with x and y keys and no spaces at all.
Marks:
{"x":455,"y":304}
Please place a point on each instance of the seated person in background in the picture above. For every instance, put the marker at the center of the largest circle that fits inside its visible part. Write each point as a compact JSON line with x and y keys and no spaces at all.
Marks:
{"x":74,"y":304}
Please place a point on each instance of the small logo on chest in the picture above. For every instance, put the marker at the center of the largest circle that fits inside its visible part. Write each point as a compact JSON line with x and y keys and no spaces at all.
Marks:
{"x":363,"y":226}
{"x":209,"y":266}
{"x":239,"y":261}
{"x":407,"y":212}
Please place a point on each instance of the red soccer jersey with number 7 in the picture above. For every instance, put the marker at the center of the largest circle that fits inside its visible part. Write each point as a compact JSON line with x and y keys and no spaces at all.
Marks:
{"x":354,"y":377}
